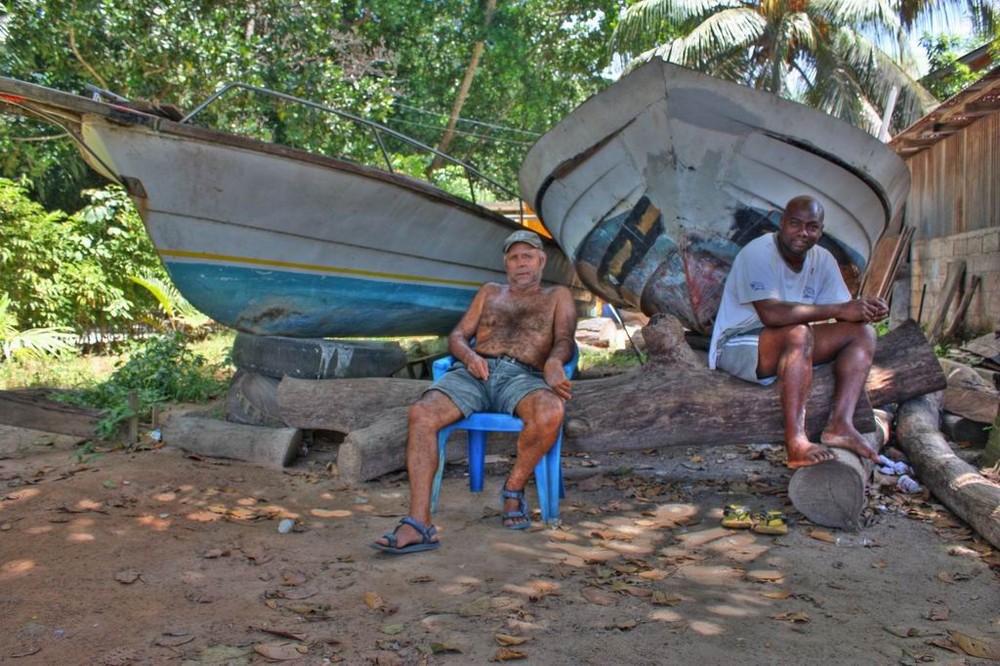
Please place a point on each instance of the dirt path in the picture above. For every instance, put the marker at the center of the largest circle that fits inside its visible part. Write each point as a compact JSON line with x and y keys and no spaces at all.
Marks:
{"x":156,"y":557}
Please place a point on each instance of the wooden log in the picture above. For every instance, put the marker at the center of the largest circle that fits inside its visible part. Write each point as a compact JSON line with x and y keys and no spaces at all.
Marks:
{"x":271,"y":447}
{"x":674,"y":400}
{"x":32,"y":410}
{"x":959,"y":486}
{"x":832,"y":494}
{"x":968,"y":394}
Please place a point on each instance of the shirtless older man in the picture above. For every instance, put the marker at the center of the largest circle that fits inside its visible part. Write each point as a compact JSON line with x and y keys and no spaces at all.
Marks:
{"x":771,"y":325}
{"x":524,"y":336}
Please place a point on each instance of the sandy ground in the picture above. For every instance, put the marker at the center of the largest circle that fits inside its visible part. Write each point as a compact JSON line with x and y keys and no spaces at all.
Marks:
{"x":158,"y":557}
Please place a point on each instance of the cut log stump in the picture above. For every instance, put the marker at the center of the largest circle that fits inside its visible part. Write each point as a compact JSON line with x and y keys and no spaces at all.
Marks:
{"x":832,"y":494}
{"x":956,"y":484}
{"x":271,"y":447}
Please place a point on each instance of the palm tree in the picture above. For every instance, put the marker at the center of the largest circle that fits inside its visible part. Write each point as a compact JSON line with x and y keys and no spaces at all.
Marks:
{"x":35,"y":342}
{"x":844,"y":57}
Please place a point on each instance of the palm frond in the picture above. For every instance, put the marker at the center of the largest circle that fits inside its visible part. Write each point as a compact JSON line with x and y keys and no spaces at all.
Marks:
{"x":646,"y":21}
{"x":717,"y":36}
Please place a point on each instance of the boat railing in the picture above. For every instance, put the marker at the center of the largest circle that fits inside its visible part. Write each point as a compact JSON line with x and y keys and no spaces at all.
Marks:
{"x":378,"y":131}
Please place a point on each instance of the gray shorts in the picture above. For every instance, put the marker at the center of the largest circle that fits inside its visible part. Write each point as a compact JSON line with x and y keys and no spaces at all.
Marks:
{"x":509,"y":382}
{"x":739,"y":357}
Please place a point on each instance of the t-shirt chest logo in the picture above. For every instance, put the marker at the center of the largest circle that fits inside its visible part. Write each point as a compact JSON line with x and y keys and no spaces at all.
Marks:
{"x":756,"y":285}
{"x":808,"y":293}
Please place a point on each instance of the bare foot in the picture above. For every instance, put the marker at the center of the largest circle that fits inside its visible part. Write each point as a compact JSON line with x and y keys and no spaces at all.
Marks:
{"x":806,"y":454}
{"x":851,"y":440}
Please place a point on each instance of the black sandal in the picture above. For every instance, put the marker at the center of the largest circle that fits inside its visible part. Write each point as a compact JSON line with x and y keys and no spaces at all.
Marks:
{"x":426,"y":531}
{"x":520,"y":515}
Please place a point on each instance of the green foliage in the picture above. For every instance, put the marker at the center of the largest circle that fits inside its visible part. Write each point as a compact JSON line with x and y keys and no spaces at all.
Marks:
{"x":948,"y":74}
{"x":160,"y":369}
{"x":72,"y":271}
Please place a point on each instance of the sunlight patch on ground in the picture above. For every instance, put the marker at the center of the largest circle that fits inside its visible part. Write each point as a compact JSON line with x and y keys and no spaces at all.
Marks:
{"x":40,"y":529}
{"x":15,"y":568}
{"x":508,"y":547}
{"x":710,"y":575}
{"x":203,"y":516}
{"x":155,"y":522}
{"x":665,"y":615}
{"x":331,"y":513}
{"x":88,"y":505}
{"x":706,"y":628}
{"x":535,"y":590}
{"x":21,"y":495}
{"x":81,"y":537}
{"x":165,"y":497}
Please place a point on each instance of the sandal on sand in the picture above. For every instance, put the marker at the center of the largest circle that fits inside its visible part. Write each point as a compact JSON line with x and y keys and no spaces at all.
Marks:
{"x":520,"y":516}
{"x":770,"y":522}
{"x":737,"y":517}
{"x":427,"y":532}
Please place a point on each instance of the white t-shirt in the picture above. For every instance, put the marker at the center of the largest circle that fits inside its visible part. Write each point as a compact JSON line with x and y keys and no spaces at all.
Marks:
{"x":759,"y":273}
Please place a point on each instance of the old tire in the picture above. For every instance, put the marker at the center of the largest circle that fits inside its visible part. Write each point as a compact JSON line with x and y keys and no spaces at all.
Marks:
{"x":316,"y":358}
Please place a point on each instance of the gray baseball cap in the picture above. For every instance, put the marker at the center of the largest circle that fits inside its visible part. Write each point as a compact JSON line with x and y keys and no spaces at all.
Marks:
{"x":523,"y":236}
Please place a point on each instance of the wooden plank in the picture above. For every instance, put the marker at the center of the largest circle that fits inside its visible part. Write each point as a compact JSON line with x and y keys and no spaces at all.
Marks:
{"x":882,"y":269}
{"x":963,"y":308}
{"x":33,"y":411}
{"x":952,"y":282}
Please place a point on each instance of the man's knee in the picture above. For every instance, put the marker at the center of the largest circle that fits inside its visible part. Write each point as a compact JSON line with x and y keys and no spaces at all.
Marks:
{"x":546,"y":410}
{"x":799,"y":338}
{"x":427,"y":412}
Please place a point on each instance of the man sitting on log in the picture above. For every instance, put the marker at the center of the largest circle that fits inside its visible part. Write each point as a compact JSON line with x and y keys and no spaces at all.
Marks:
{"x":774,"y":323}
{"x":524,"y":335}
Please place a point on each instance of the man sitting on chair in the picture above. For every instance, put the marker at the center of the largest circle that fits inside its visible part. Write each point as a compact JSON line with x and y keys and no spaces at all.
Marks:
{"x":524,"y":335}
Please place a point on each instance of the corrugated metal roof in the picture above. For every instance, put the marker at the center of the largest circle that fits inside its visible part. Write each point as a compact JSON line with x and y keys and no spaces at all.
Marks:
{"x":964,"y":108}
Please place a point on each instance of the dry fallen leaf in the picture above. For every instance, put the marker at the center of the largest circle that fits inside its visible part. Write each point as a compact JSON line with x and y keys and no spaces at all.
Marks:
{"x":794,"y":618}
{"x":506,"y":654}
{"x":777,"y":594}
{"x":507,"y":639}
{"x":280,"y":651}
{"x":822,"y":535}
{"x":661,"y":598}
{"x":439,"y":648}
{"x":598,"y":596}
{"x":766,"y":576}
{"x":976,"y":647}
{"x":939,"y":615}
{"x":374,"y":600}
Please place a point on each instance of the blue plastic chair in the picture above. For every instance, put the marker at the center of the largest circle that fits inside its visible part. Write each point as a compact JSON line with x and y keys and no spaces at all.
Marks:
{"x":548,"y":471}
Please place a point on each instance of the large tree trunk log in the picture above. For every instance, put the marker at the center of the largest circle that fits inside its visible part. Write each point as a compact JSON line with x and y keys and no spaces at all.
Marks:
{"x":271,"y":447}
{"x":676,"y":401}
{"x":958,"y":485}
{"x":672,"y":401}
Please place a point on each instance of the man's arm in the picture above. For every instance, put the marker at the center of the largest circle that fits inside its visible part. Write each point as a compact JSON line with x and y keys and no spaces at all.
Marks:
{"x":563,"y":342}
{"x":465,"y":330}
{"x":774,"y":313}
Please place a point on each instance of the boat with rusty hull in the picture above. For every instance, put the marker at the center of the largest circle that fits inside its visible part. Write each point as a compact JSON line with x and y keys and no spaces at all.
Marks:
{"x":271,"y":240}
{"x":652,"y":186}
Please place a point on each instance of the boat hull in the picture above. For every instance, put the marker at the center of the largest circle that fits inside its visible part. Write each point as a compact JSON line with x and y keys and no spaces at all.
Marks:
{"x":652,"y":186}
{"x":274,"y":241}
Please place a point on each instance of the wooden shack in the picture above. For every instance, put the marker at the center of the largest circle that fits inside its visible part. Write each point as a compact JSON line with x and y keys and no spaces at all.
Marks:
{"x":954,"y":207}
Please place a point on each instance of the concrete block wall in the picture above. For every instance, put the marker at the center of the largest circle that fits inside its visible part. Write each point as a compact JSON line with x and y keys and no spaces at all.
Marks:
{"x":929,"y":261}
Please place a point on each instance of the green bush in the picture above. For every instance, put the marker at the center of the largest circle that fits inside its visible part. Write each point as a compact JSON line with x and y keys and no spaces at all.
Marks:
{"x":159,"y":369}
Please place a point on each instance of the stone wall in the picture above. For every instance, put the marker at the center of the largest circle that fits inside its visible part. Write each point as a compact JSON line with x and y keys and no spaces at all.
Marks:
{"x":929,"y":261}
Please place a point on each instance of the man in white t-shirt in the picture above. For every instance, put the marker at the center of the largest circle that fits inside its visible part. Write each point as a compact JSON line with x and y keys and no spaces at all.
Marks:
{"x":774,"y":324}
